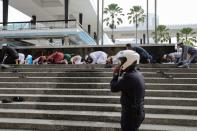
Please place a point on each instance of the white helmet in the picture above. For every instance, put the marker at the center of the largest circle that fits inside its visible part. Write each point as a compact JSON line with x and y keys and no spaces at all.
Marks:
{"x":128,"y":57}
{"x":4,"y":45}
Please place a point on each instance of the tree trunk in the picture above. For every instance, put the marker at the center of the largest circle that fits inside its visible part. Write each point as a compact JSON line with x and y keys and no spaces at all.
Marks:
{"x":186,"y":38}
{"x":112,"y":36}
{"x":136,"y":30}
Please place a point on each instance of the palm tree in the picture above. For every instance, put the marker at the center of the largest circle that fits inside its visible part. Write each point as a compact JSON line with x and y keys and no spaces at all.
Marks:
{"x":187,"y":36}
{"x":114,"y":13}
{"x":177,"y":37}
{"x":163,"y":34}
{"x":136,"y":16}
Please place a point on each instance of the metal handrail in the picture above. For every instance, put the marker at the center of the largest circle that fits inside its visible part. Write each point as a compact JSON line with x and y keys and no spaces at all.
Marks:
{"x":41,"y":21}
{"x":84,"y":30}
{"x":39,"y":24}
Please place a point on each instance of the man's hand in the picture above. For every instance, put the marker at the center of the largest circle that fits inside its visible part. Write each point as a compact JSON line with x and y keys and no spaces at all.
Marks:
{"x":116,"y":70}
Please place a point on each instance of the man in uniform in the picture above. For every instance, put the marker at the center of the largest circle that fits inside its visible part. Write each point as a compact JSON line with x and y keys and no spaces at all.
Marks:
{"x":132,"y":88}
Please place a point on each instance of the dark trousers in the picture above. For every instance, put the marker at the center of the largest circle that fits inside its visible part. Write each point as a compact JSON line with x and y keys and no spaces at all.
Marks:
{"x":9,"y":60}
{"x":193,"y":58}
{"x":131,"y":119}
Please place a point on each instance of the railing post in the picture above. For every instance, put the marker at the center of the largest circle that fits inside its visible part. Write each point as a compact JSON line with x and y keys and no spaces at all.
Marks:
{"x":144,"y":38}
{"x":98,"y":22}
{"x":89,"y":29}
{"x":156,"y":22}
{"x":102,"y":32}
{"x":33,"y":22}
{"x":81,"y":18}
{"x":5,"y":13}
{"x":147,"y":22}
{"x":66,"y":2}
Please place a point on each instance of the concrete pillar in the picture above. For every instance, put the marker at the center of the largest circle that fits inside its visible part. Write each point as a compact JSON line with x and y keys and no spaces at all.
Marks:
{"x":89,"y":29}
{"x":102,"y":31}
{"x":141,"y":41}
{"x":177,"y":37}
{"x":33,"y":22}
{"x":5,"y":12}
{"x":66,"y":2}
{"x":51,"y":40}
{"x":147,"y":22}
{"x":144,"y":38}
{"x":66,"y":41}
{"x":95,"y":36}
{"x":170,"y":40}
{"x":62,"y":41}
{"x":34,"y":19}
{"x":81,"y":18}
{"x":98,"y":22}
{"x":156,"y":22}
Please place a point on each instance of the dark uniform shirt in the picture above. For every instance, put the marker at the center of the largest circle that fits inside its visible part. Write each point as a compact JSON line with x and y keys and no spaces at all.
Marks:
{"x":144,"y":55}
{"x":188,"y":50}
{"x":132,"y":87}
{"x":10,"y":54}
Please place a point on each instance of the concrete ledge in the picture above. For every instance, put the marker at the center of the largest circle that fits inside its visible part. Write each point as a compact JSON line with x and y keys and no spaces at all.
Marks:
{"x":91,"y":74}
{"x":95,"y":80}
{"x":79,"y":98}
{"x":153,"y":109}
{"x":96,"y":116}
{"x":97,"y":66}
{"x":179,"y":101}
{"x":166,"y":70}
{"x":97,"y":92}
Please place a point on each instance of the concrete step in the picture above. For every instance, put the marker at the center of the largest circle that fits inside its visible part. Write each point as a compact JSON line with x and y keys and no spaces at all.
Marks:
{"x":13,"y":130}
{"x":163,"y":65}
{"x":68,"y":91}
{"x":169,"y":86}
{"x":92,"y":74}
{"x":96,"y":79}
{"x":53,"y":85}
{"x":165,"y":109}
{"x":98,"y":66}
{"x":57,"y":125}
{"x":81,"y":94}
{"x":154,"y":127}
{"x":156,"y":109}
{"x":102,"y":99}
{"x":172,"y":93}
{"x":172,"y":70}
{"x":87,"y":66}
{"x":162,"y":119}
{"x":153,"y":86}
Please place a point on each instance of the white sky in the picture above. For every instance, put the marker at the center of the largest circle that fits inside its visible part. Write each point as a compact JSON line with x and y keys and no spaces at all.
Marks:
{"x":14,"y":15}
{"x":169,"y":11}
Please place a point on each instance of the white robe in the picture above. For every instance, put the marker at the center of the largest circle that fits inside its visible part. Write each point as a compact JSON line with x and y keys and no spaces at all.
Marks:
{"x":21,"y":58}
{"x":76,"y":59}
{"x":99,"y":57}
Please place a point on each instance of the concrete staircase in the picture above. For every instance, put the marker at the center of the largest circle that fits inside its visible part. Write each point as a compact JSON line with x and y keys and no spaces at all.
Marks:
{"x":78,"y":98}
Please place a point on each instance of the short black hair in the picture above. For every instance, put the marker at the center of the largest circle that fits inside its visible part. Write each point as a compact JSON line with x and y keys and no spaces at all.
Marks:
{"x":180,"y":44}
{"x":128,"y":46}
{"x":89,"y":60}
